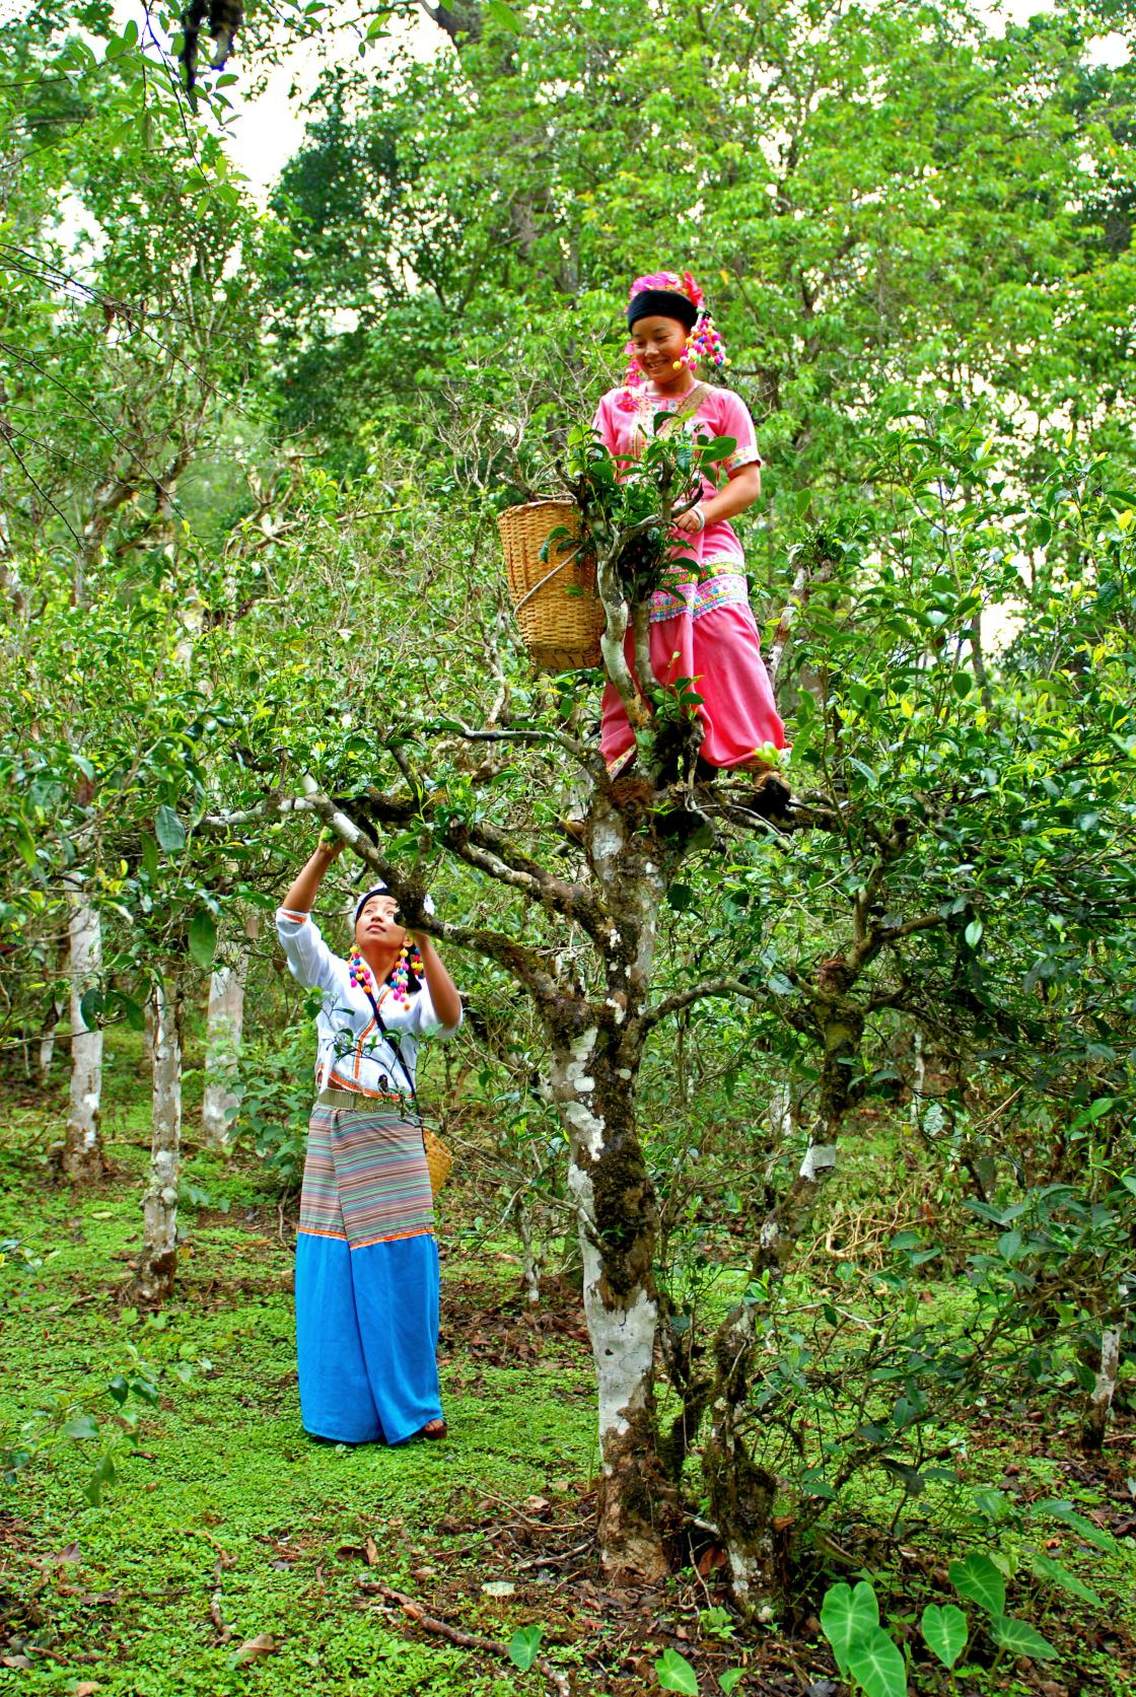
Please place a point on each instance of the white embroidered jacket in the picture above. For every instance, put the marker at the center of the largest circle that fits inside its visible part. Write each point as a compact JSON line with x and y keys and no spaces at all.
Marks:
{"x":353,"y":1053}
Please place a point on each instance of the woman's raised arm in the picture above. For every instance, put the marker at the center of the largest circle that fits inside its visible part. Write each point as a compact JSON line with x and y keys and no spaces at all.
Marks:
{"x":305,"y":887}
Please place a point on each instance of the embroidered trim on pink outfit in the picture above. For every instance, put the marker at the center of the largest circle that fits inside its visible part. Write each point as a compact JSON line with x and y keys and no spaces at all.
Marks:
{"x":724,"y":589}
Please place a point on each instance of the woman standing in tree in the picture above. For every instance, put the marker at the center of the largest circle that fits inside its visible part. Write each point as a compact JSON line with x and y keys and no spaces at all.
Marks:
{"x":702,"y":627}
{"x":366,"y":1257}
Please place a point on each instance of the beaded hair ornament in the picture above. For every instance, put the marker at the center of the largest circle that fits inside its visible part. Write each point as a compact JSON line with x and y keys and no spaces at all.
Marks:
{"x":702,"y":343}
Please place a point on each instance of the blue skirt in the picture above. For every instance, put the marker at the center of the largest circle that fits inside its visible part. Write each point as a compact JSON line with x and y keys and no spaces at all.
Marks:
{"x":367,"y":1303}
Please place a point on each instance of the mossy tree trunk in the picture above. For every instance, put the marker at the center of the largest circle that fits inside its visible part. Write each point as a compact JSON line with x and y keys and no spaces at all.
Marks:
{"x":157,"y":1264}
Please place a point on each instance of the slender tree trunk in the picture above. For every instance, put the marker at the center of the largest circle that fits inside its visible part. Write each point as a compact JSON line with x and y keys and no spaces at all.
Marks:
{"x":918,"y":1078}
{"x":83,"y":1151}
{"x":154,"y":1280}
{"x":47,"y":1039}
{"x":741,"y":1491}
{"x":530,"y":1265}
{"x":223,"y":1045}
{"x":1102,"y":1393}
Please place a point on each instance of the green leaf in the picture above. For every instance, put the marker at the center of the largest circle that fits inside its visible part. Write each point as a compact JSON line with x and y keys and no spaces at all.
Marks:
{"x":979,"y":1581}
{"x":25,"y":845}
{"x":729,"y":1679}
{"x":877,"y":1665}
{"x":973,"y":934}
{"x":1046,"y":1568}
{"x":90,"y":1008}
{"x":945,"y":1632}
{"x":203,"y":938}
{"x":847,"y":1618}
{"x":1065,"y":1512}
{"x":674,"y":1673}
{"x":102,"y":1474}
{"x":1021,"y":1639}
{"x":135,"y":1015}
{"x":523,"y":1647}
{"x":83,"y":1426}
{"x":169,"y":830}
{"x":504,"y":16}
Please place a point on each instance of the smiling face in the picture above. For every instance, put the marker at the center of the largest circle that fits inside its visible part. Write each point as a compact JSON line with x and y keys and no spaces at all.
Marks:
{"x":377,"y":926}
{"x":658,"y":343}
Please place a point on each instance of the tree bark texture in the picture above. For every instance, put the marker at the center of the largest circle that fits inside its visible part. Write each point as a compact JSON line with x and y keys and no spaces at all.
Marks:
{"x":154,"y":1280}
{"x":223,"y":1045}
{"x":83,"y":1159}
{"x":1102,"y":1393}
{"x":596,"y":1057}
{"x":741,"y":1491}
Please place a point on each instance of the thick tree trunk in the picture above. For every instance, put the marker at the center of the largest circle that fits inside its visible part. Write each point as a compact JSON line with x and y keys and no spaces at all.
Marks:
{"x":595,"y":1068}
{"x":83,"y":1151}
{"x":223,"y":1046}
{"x":154,"y":1280}
{"x":741,"y":1492}
{"x":617,"y":1219}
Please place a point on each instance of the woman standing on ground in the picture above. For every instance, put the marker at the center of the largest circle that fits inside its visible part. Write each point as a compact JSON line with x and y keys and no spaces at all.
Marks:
{"x":366,"y":1257}
{"x":702,"y":626}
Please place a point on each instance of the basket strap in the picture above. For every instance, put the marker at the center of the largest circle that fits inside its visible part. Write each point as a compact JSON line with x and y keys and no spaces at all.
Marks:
{"x":547,"y":578}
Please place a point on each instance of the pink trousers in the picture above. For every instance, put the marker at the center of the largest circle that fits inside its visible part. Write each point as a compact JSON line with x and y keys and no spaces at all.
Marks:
{"x":711,"y":637}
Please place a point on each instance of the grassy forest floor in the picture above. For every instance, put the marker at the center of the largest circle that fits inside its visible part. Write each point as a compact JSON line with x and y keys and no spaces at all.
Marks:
{"x":231,"y":1555}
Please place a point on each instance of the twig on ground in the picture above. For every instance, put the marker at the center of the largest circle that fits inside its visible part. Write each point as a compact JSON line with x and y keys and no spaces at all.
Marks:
{"x":414,"y":1611}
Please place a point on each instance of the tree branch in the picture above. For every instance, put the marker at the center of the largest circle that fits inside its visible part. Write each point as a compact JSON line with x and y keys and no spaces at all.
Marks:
{"x":696,"y":993}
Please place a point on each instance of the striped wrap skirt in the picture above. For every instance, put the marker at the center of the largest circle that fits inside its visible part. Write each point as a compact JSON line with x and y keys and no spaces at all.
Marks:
{"x":367,"y":1295}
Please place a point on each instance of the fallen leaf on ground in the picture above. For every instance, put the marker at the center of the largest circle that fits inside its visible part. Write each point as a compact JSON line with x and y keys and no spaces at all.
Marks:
{"x":262,"y":1645}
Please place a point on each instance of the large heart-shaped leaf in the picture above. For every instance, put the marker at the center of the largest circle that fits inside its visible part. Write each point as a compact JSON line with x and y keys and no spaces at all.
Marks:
{"x":523,"y":1647}
{"x":979,"y":1581}
{"x":877,"y":1665}
{"x":1021,"y":1639}
{"x":945,"y":1631}
{"x":674,"y":1673}
{"x":1046,"y":1568}
{"x":847,"y":1618}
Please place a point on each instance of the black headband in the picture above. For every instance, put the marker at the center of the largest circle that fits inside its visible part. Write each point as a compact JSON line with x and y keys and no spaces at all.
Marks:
{"x":662,"y":303}
{"x":375,"y":890}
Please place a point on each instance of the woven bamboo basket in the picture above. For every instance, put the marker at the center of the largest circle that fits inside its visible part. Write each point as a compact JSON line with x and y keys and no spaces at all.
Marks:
{"x":560,"y":615}
{"x":438,"y":1159}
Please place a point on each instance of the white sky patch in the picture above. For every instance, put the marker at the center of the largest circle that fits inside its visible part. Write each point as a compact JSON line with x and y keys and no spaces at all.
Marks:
{"x":263,"y":132}
{"x":266,"y":130}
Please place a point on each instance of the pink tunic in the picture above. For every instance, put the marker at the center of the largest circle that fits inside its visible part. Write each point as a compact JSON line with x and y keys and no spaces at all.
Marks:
{"x":703,"y":629}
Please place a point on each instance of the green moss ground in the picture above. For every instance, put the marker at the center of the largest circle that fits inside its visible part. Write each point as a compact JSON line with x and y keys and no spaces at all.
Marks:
{"x":227,"y":1525}
{"x":227,"y":1498}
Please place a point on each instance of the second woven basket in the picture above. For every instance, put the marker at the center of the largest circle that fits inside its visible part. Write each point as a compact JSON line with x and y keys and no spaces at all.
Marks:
{"x":554,"y":597}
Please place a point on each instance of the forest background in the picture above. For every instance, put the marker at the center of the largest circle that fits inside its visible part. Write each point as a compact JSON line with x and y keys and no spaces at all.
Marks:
{"x":860,"y":1425}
